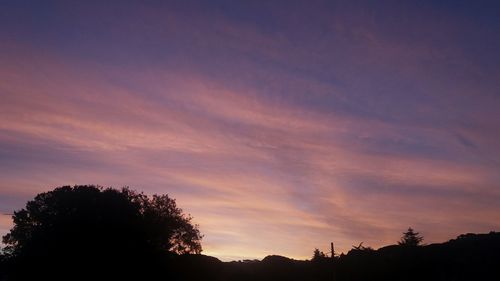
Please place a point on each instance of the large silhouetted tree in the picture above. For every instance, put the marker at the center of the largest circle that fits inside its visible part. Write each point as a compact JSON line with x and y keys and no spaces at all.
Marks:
{"x":89,"y":225}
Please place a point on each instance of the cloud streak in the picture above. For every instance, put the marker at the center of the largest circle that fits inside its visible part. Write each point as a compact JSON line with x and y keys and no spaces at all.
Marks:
{"x":277,"y":140}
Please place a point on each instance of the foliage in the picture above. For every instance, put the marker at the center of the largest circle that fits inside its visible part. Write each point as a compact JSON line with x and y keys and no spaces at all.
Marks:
{"x":411,"y":238}
{"x":85,"y":218}
{"x":318,"y":255}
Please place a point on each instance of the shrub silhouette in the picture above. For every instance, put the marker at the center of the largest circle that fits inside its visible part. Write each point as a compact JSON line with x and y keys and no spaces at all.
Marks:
{"x":91,"y":229}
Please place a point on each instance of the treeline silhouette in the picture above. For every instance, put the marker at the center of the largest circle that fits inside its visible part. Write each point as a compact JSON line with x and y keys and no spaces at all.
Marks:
{"x":92,"y":233}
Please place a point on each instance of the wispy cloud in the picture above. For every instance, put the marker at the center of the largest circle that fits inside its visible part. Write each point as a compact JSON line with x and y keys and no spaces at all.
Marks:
{"x":276,"y":140}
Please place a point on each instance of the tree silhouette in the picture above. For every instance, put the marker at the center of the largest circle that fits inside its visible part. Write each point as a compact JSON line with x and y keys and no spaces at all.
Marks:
{"x":411,"y":238}
{"x":318,"y":255}
{"x":122,"y":215}
{"x":89,"y":226}
{"x":167,"y":227}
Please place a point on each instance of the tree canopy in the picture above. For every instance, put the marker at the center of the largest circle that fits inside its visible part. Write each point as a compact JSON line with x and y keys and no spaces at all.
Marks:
{"x":80,"y":219}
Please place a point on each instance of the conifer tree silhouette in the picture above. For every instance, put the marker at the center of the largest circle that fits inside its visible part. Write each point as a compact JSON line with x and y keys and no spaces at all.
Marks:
{"x":411,"y":238}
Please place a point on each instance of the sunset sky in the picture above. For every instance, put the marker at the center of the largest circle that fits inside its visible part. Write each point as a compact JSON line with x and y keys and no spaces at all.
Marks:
{"x":280,"y":126}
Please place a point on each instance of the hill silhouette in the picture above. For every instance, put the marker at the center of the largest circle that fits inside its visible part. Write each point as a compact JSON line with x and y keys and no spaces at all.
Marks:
{"x":468,"y":257}
{"x":91,"y":233}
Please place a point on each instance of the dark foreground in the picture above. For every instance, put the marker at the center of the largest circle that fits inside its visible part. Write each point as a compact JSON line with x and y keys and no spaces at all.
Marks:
{"x":469,"y":257}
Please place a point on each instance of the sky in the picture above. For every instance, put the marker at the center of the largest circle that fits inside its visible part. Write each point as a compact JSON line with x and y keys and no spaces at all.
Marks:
{"x":280,"y":126}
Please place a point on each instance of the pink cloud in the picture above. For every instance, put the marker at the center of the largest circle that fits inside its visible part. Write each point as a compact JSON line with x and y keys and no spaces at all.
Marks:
{"x":260,"y":174}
